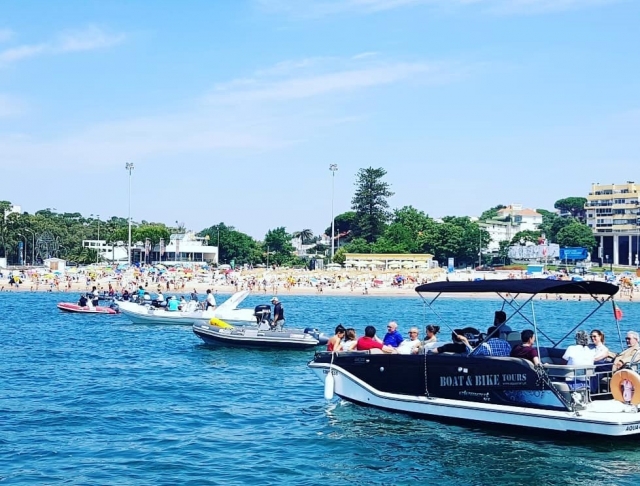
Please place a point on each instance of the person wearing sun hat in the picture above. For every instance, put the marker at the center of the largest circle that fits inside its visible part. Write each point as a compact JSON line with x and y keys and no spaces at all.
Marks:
{"x":278,"y":314}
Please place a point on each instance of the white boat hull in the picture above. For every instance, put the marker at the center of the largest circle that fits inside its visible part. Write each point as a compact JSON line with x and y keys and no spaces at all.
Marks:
{"x":606,"y":417}
{"x":227,"y":311}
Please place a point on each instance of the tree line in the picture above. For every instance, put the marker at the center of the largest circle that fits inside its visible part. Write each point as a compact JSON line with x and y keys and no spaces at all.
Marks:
{"x":369,"y":227}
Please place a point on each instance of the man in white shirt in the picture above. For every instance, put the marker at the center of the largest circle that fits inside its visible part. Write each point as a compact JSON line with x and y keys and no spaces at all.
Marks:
{"x":211,"y":301}
{"x":580,"y":354}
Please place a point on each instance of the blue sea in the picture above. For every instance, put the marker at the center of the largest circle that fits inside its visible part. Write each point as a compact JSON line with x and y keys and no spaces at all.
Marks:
{"x":88,"y":400}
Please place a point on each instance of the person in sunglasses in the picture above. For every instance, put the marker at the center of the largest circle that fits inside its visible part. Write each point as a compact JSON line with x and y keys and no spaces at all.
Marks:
{"x":629,"y":355}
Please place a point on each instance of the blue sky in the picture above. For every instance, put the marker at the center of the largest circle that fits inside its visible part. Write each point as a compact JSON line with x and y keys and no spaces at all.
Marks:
{"x":232,"y":110}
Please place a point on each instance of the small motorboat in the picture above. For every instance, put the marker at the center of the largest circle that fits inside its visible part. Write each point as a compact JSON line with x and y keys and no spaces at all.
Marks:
{"x":218,"y":332}
{"x":87,"y":309}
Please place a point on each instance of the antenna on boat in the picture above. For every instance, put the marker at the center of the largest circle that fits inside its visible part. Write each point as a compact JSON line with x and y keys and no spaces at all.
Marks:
{"x":535,"y":326}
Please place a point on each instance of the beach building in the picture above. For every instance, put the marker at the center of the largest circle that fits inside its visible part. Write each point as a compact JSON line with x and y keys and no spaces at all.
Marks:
{"x":613,"y":214}
{"x":55,"y":264}
{"x":509,"y":221}
{"x":184,"y":248}
{"x":391,"y":261}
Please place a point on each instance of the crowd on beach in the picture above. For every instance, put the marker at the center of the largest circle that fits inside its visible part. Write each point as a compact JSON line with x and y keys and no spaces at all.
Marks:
{"x":274,"y":280}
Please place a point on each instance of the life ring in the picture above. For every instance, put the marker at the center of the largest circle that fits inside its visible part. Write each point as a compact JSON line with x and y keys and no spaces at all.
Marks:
{"x":618,"y":386}
{"x":220,"y":323}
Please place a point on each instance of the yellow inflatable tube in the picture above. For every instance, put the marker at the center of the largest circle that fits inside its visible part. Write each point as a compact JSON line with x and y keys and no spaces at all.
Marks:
{"x":220,"y":323}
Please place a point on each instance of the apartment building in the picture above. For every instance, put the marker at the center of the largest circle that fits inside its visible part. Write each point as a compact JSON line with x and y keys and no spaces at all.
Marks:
{"x":613,"y":214}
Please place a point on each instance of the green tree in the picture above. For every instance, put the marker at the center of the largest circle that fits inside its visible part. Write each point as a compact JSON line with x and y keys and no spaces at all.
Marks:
{"x":305,"y":235}
{"x":278,"y":243}
{"x":370,"y":203}
{"x":491,"y":213}
{"x":234,"y":245}
{"x":574,"y":205}
{"x":548,"y":218}
{"x":577,"y":234}
{"x":358,"y":245}
{"x":526,"y":236}
{"x":5,"y":207}
{"x":345,"y":223}
{"x":557,"y":225}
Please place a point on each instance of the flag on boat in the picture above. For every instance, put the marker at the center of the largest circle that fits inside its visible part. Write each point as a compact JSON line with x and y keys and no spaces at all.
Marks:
{"x":617,"y":312}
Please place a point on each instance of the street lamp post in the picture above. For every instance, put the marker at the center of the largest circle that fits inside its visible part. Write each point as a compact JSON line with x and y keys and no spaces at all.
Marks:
{"x":33,"y":246}
{"x":24,"y":249}
{"x":218,"y":251}
{"x":333,"y":168}
{"x":129,"y":167}
{"x":99,"y":244}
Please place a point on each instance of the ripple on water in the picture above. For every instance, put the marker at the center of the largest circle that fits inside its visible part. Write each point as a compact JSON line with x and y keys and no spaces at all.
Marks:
{"x":97,"y":400}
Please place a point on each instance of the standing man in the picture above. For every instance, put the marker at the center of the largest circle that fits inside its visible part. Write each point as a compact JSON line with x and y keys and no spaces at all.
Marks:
{"x":278,"y":314}
{"x":211,"y":301}
{"x":393,"y":337}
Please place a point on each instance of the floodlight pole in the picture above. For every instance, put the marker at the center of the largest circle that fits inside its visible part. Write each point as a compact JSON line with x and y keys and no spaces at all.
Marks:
{"x":333,"y":168}
{"x":129,"y":167}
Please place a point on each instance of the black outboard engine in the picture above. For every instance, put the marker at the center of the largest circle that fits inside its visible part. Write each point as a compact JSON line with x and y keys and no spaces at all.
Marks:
{"x":472,"y":334}
{"x":320,"y":336}
{"x":262,"y":313}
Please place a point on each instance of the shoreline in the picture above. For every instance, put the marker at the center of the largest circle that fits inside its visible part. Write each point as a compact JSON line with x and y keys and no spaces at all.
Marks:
{"x":406,"y":291}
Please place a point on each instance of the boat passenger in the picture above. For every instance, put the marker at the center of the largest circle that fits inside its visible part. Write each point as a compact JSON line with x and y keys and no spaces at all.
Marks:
{"x":351,"y":340}
{"x":629,"y":355}
{"x":141,"y":293}
{"x":494,"y":346}
{"x":499,"y":319}
{"x":368,"y":342}
{"x":460,"y":344}
{"x":211,"y":300}
{"x":160,"y":299}
{"x":278,"y":314}
{"x":393,"y":337}
{"x":526,"y":350}
{"x":125,"y":295}
{"x":579,"y":354}
{"x":183,"y":303}
{"x":601,"y":352}
{"x":431,"y":339}
{"x":172,"y":304}
{"x":411,"y":345}
{"x":334,"y":343}
{"x":83,"y":301}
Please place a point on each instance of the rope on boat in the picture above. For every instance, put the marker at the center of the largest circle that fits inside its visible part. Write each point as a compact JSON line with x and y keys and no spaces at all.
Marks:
{"x":426,"y":377}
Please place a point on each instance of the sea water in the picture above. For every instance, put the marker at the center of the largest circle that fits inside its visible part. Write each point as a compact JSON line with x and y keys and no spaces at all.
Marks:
{"x":95,"y":399}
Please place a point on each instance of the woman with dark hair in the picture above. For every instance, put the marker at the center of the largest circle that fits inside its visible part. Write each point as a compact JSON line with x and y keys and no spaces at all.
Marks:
{"x":431,"y":340}
{"x":598,"y":347}
{"x":350,"y":340}
{"x":334,"y":341}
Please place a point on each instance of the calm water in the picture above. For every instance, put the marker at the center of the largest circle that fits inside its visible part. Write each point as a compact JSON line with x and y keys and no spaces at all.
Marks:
{"x":98,"y":400}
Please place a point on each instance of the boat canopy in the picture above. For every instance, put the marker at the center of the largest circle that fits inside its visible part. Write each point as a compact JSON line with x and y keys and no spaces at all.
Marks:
{"x":527,"y":286}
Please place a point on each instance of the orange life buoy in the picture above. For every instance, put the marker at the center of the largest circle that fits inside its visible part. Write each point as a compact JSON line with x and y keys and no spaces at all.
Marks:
{"x":633,"y":384}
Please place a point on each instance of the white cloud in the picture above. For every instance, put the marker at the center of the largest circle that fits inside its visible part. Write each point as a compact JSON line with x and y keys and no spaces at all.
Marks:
{"x":310,"y":78}
{"x":322,"y":8}
{"x":87,"y":39}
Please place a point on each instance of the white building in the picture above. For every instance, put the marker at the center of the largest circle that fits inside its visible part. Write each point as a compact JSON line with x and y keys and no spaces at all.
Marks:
{"x":527,"y":219}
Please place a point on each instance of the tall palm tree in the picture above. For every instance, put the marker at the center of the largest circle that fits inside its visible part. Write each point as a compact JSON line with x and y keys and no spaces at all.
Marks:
{"x":305,"y":234}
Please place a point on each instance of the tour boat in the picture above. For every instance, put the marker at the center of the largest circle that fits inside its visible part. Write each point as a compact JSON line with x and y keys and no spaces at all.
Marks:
{"x":501,"y":391}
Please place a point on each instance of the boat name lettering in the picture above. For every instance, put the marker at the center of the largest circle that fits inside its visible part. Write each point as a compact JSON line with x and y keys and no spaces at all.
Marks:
{"x":633,"y":427}
{"x":495,"y":379}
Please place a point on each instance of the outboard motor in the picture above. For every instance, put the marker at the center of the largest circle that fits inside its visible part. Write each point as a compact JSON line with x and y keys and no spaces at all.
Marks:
{"x":472,"y":334}
{"x":262,"y":313}
{"x":322,"y":338}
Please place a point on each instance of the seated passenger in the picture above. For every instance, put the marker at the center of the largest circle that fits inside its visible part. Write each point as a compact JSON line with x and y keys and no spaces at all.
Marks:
{"x":629,"y":355}
{"x":526,"y":349}
{"x":431,"y":339}
{"x":493,"y":346}
{"x":335,"y":341}
{"x":459,"y":345}
{"x":411,"y":345}
{"x":393,"y":337}
{"x":499,"y":319}
{"x":83,"y":301}
{"x":172,"y":304}
{"x":579,"y":354}
{"x":351,"y":340}
{"x":601,"y":352}
{"x":369,"y":342}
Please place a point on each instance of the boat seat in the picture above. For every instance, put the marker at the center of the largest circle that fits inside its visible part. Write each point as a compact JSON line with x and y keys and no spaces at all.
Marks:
{"x":577,"y":374}
{"x":513,"y":338}
{"x":551,"y":356}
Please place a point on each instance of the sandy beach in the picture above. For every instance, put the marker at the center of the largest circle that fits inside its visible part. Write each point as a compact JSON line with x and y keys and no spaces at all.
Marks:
{"x":281,"y":282}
